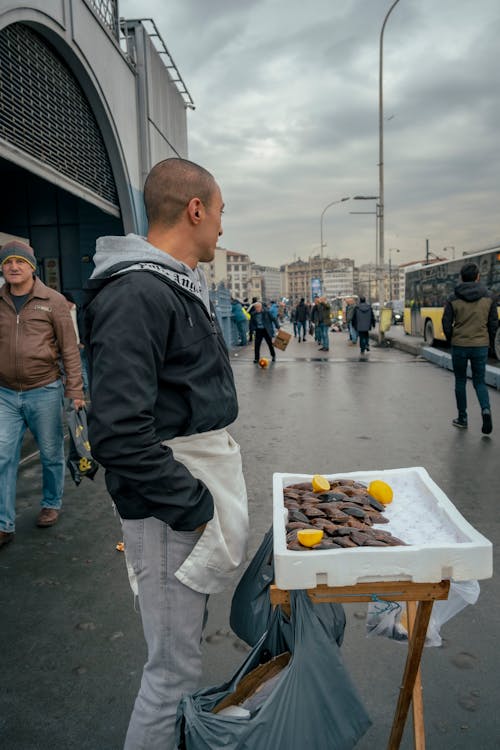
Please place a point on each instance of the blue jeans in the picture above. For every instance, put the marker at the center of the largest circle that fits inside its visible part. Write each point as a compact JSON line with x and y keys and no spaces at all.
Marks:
{"x":173,"y":616}
{"x":241,"y":325}
{"x":353,"y":334}
{"x":40,"y":409}
{"x":323,"y":332}
{"x":478,"y":356}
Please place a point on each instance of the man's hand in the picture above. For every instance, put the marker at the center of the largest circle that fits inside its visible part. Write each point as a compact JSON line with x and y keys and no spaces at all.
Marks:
{"x":79,"y":403}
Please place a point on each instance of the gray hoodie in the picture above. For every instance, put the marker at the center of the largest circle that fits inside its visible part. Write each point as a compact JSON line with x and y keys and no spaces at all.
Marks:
{"x":113,"y":253}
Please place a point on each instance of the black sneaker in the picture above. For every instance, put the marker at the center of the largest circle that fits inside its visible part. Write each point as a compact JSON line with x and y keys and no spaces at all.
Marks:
{"x":487,"y":423}
{"x":459,"y":422}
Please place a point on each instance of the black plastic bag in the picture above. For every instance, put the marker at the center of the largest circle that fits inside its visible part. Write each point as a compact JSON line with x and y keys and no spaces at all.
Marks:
{"x":80,"y":462}
{"x":251,"y":607}
{"x":313,"y":705}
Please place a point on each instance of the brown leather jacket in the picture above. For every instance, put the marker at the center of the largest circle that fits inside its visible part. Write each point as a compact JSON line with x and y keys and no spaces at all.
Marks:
{"x":33,"y":343}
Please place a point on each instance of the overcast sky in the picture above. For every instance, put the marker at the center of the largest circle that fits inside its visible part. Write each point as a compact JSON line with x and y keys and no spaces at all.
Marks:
{"x":286,"y":118}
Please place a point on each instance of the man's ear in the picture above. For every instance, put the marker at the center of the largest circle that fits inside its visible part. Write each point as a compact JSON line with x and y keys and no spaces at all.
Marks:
{"x":195,"y":210}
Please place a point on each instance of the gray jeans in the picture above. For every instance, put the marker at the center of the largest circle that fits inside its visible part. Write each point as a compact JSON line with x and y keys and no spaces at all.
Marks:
{"x":172,"y":619}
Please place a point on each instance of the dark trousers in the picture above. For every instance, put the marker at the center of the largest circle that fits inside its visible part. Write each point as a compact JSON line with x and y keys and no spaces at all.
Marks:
{"x":301,"y":325}
{"x":260,"y":334}
{"x":364,"y":341}
{"x":478,"y":357}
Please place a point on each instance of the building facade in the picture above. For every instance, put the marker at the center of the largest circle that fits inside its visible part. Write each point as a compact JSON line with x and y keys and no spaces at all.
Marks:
{"x":268,"y":279}
{"x":232,"y":269}
{"x":89,"y":104}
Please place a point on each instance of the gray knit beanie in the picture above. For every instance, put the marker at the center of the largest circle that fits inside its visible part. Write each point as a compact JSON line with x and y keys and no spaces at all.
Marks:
{"x":18,"y":249}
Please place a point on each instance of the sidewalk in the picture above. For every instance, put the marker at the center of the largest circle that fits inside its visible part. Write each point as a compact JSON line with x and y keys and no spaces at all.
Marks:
{"x":438,"y":355}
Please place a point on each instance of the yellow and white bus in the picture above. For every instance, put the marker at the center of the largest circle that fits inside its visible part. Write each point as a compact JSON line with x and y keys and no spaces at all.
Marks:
{"x":427,"y":288}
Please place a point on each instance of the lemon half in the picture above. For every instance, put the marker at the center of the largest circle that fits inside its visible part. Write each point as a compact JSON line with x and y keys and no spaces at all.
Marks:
{"x":309,"y":537}
{"x":320,"y":483}
{"x":381,"y":491}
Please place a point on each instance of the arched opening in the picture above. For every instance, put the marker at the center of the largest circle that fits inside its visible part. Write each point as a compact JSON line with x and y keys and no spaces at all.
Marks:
{"x":59,"y":188}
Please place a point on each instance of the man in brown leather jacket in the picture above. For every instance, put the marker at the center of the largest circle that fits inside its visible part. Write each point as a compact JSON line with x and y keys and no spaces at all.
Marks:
{"x":36,"y":334}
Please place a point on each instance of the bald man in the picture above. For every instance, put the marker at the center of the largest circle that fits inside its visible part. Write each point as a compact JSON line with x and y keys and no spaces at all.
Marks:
{"x":162,"y":395}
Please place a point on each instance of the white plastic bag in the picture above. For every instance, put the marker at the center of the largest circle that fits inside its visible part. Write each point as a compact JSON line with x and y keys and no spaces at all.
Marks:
{"x":389,"y":618}
{"x":384,"y":618}
{"x":461,"y":594}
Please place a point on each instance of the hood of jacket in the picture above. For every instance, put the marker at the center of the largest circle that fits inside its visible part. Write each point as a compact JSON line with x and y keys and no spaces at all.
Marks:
{"x":363,"y":306}
{"x":471,"y":291}
{"x":115,"y":254}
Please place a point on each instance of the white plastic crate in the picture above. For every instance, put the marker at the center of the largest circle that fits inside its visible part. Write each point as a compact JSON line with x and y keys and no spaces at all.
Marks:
{"x":441,"y":543}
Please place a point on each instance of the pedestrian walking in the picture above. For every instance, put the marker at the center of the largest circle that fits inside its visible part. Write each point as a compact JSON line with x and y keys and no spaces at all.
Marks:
{"x":163,"y":394}
{"x":302,"y":316}
{"x":274,"y":312}
{"x":249,"y":309}
{"x":349,"y":312}
{"x":315,"y":317}
{"x":363,"y":320}
{"x":470,"y":322}
{"x":293,"y":321}
{"x":241,"y":320}
{"x":37,"y":335}
{"x":261,"y":323}
{"x":324,"y":323}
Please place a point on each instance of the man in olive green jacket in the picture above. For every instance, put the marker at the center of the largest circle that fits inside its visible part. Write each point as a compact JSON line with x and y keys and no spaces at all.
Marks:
{"x":470,"y":322}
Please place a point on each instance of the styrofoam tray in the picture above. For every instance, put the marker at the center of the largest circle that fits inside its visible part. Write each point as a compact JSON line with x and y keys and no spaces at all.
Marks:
{"x":441,"y":543}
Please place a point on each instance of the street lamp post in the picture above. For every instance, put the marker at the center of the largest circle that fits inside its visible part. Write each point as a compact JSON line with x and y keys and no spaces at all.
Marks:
{"x":381,"y":155}
{"x":322,"y":245}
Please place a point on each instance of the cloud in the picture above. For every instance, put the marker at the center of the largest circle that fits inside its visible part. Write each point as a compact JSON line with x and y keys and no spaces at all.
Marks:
{"x":286,"y":117}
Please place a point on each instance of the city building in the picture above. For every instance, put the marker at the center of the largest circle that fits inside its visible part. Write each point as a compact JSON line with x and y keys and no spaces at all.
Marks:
{"x":232,"y":269}
{"x":268,"y":279}
{"x":339,"y":281}
{"x":367,"y":282}
{"x":303,"y":277}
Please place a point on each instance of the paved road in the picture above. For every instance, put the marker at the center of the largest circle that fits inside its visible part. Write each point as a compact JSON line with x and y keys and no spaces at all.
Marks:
{"x":72,"y":644}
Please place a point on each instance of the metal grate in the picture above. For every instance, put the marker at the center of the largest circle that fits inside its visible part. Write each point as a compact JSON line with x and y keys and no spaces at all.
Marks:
{"x":162,"y":50}
{"x":44,"y":112}
{"x":107,"y":11}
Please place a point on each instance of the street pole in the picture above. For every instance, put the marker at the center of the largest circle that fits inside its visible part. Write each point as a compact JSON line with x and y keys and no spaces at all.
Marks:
{"x":333,"y":203}
{"x":390,"y":276}
{"x":373,"y":213}
{"x":381,"y":161}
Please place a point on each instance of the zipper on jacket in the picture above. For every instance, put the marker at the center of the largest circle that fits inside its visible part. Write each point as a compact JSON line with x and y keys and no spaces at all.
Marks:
{"x":17,"y":350}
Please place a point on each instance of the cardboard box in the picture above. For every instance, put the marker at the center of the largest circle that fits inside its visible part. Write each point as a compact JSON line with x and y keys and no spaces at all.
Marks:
{"x":440,"y":542}
{"x":281,"y":339}
{"x":252,"y":681}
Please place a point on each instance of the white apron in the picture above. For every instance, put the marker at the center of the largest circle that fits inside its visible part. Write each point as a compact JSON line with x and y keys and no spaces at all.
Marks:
{"x":221,"y":551}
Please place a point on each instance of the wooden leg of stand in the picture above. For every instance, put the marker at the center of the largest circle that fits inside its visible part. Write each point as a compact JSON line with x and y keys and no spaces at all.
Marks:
{"x":415,"y":647}
{"x":417,"y":698}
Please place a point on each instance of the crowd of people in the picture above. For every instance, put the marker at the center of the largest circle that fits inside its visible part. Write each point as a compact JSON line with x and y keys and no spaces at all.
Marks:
{"x":316,"y":321}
